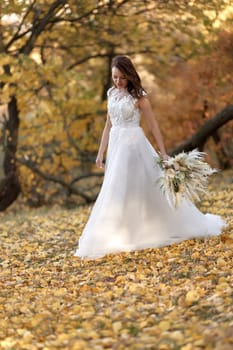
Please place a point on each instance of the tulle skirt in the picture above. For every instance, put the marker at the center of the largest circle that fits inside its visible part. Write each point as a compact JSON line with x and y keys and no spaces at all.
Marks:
{"x":131,"y":212}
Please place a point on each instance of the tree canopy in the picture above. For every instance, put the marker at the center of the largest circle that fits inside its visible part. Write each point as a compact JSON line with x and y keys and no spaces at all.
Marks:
{"x":55,"y":70}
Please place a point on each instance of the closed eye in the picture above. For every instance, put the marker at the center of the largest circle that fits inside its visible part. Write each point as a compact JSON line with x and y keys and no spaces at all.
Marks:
{"x":115,"y":77}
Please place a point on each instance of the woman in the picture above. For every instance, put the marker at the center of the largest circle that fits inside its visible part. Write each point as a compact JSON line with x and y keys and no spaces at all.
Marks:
{"x":131,"y":212}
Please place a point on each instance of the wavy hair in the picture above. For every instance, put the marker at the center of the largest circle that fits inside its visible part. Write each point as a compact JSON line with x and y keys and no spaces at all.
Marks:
{"x":124,"y":64}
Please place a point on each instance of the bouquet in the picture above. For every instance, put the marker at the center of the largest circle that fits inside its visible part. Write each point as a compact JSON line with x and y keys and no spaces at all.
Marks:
{"x":184,"y":176}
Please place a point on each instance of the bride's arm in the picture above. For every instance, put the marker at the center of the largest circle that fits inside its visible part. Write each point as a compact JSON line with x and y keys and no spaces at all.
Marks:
{"x":145,"y":107}
{"x":103,"y":143}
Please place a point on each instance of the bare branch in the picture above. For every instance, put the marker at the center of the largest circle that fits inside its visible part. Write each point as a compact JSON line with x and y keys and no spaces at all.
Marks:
{"x":72,"y":190}
{"x":94,"y":10}
{"x":86,"y":176}
{"x":17,"y":36}
{"x":40,"y":26}
{"x":205,"y":131}
{"x":103,"y":55}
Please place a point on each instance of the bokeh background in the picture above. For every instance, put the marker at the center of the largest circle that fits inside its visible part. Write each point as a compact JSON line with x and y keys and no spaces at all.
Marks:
{"x":55,"y":59}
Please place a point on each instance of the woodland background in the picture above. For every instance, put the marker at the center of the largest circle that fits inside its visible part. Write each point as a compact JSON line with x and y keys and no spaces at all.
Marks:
{"x":54,"y":73}
{"x":55,"y":61}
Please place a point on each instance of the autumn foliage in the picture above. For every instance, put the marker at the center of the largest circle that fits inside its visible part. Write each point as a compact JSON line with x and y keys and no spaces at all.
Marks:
{"x":177,"y":297}
{"x":192,"y":92}
{"x":55,"y":61}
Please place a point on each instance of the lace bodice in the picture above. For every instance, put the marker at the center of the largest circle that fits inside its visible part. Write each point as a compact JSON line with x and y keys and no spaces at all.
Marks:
{"x":122,"y":108}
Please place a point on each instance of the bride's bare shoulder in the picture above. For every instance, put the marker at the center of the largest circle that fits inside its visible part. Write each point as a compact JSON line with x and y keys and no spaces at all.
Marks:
{"x":143,"y":101}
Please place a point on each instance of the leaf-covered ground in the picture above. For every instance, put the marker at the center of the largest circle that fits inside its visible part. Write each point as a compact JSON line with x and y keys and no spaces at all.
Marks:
{"x":178,"y":297}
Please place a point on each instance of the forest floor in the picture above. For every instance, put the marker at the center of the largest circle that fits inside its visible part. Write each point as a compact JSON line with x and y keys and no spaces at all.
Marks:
{"x":178,"y":297}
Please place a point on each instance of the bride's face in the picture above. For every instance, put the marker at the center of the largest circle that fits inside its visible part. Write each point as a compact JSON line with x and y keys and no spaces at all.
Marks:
{"x":119,"y":79}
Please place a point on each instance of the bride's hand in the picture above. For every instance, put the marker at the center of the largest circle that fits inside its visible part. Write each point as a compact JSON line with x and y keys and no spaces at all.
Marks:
{"x":164,"y":156}
{"x":99,"y":161}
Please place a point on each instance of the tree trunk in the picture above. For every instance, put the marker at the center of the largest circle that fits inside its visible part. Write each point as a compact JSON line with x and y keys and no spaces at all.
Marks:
{"x":209,"y":128}
{"x":10,"y":186}
{"x":108,"y":82}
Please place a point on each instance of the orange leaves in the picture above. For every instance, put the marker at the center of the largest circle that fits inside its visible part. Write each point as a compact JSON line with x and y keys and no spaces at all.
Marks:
{"x":193,"y":90}
{"x":176,"y":297}
{"x":192,"y":297}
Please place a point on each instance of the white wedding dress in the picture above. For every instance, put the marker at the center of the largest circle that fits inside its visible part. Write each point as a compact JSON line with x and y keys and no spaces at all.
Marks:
{"x":131,"y":212}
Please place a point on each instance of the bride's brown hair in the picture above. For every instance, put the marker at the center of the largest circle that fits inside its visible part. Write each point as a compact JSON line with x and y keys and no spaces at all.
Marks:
{"x":124,"y":64}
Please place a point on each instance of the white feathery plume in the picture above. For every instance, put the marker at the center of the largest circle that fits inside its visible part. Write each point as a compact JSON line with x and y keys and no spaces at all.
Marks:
{"x":184,"y":176}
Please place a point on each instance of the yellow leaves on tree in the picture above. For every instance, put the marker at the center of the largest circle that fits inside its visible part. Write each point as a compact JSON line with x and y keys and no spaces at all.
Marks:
{"x":60,"y":79}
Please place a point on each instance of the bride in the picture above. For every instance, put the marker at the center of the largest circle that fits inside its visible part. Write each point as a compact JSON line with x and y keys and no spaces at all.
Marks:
{"x":131,"y":212}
